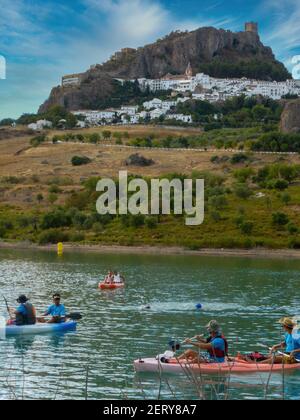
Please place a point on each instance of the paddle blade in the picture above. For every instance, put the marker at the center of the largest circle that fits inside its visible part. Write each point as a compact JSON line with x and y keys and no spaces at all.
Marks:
{"x":76,"y":316}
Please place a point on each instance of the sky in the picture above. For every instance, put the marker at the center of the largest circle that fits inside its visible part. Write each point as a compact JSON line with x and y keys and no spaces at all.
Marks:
{"x":42,"y":40}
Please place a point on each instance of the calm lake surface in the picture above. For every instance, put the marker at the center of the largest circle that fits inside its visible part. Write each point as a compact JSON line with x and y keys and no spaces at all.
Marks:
{"x":246,"y":296}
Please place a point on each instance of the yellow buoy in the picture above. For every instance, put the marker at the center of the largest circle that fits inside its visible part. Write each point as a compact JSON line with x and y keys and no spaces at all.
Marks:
{"x":60,"y":248}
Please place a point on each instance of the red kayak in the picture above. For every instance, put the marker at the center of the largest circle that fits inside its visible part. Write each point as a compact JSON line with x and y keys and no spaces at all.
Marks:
{"x":110,"y":286}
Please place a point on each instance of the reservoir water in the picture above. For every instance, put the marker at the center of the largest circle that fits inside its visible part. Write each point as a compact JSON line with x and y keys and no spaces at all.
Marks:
{"x":247,"y":296}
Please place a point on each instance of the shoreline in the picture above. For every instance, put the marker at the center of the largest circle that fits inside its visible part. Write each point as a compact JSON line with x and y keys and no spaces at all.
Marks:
{"x":156,"y":250}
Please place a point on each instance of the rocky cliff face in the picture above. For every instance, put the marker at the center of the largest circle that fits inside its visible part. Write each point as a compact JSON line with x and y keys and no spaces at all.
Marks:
{"x":96,"y":87}
{"x":218,"y":53}
{"x":290,"y":119}
{"x":200,"y":47}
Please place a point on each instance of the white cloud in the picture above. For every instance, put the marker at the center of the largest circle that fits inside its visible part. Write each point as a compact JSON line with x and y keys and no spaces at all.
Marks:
{"x":136,"y":22}
{"x":284,"y":34}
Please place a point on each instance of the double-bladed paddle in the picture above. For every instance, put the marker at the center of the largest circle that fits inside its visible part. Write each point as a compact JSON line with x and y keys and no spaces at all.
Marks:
{"x":75,"y":316}
{"x":7,"y":306}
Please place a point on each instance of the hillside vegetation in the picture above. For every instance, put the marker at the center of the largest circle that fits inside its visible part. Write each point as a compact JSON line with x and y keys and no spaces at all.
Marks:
{"x":252,"y":200}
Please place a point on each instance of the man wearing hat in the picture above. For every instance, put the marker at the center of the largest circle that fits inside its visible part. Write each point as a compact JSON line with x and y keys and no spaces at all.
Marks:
{"x":56,"y":311}
{"x":216,"y":346}
{"x":25,"y":314}
{"x":291,"y":345}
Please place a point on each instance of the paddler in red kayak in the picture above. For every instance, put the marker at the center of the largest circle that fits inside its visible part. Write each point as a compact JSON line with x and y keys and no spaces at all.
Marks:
{"x":290,"y":346}
{"x":109,"y":279}
{"x":216,"y":346}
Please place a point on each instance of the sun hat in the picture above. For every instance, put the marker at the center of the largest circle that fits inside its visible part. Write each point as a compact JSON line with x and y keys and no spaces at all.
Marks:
{"x":287,"y":322}
{"x":213,"y":326}
{"x":22,"y":299}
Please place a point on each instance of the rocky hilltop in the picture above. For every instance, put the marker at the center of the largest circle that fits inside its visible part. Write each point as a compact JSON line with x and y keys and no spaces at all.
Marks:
{"x":290,"y":119}
{"x":215,"y":52}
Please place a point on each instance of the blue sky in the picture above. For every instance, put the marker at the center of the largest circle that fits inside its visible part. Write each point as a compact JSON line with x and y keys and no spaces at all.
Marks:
{"x":43,"y":39}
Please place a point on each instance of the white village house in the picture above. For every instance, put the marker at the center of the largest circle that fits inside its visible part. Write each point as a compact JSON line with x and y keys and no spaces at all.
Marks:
{"x":40,"y":125}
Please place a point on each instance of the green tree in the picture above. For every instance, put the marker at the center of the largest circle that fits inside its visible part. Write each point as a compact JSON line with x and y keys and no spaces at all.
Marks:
{"x":106,"y":134}
{"x":280,"y":219}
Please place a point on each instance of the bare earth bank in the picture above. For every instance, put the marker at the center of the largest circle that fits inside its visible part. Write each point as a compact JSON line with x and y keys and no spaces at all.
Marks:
{"x":145,"y":250}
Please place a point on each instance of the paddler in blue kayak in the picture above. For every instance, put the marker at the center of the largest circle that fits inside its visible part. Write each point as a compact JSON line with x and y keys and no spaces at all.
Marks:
{"x":216,"y":346}
{"x":57,"y":311}
{"x":25,"y":314}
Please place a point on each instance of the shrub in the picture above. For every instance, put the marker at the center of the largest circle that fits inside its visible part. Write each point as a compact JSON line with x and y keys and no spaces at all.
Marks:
{"x":192,"y":245}
{"x":97,"y":227}
{"x":106,"y":134}
{"x":54,"y":189}
{"x":36,"y":141}
{"x":94,"y":138}
{"x":280,"y":184}
{"x":6,"y":224}
{"x":10,"y":180}
{"x":77,"y":237}
{"x":215,"y":159}
{"x":242,"y":175}
{"x":216,"y":216}
{"x":292,"y":229}
{"x":138,"y":220}
{"x":242,"y":191}
{"x":52,"y":198}
{"x":78,"y":219}
{"x":40,"y":198}
{"x":53,"y":236}
{"x":247,"y":228}
{"x":56,"y":219}
{"x":125,"y":220}
{"x":286,"y":198}
{"x":80,"y":160}
{"x":239,"y":158}
{"x":151,"y":222}
{"x":294,"y":243}
{"x":280,"y":219}
{"x":2,"y":232}
{"x":218,"y":202}
{"x":248,"y":244}
{"x":25,"y":221}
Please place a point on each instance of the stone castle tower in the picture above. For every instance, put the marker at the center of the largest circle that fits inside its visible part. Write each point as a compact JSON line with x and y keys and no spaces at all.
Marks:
{"x":251,"y":27}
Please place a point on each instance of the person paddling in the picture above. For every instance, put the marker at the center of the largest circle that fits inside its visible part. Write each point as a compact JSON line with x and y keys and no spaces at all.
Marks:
{"x":109,"y":279}
{"x":291,"y":345}
{"x":57,"y":311}
{"x":25,"y":314}
{"x":216,"y":346}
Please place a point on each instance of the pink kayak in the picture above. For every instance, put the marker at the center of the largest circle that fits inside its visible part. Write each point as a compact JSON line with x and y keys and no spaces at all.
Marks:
{"x":235,"y":366}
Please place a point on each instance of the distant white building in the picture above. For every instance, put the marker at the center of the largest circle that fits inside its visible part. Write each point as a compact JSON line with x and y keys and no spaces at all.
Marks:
{"x":156,"y":113}
{"x":153,"y":104}
{"x":81,"y":124}
{"x":130,"y":119}
{"x":180,"y":117}
{"x":72,"y":80}
{"x":167,"y":105}
{"x":143,"y":115}
{"x":97,"y":117}
{"x":40,"y":125}
{"x":129,"y":110}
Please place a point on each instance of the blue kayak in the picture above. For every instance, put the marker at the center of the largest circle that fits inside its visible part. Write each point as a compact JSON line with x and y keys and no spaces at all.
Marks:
{"x":14,"y":330}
